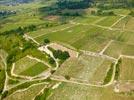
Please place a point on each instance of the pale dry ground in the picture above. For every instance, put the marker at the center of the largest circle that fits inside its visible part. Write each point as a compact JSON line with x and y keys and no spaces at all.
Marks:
{"x":126,"y":87}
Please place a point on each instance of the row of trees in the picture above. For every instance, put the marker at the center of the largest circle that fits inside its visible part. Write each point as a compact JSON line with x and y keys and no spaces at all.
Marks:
{"x":6,"y":13}
{"x":81,"y":4}
{"x":73,"y":4}
{"x":76,"y":7}
{"x":21,"y":30}
{"x":107,"y":4}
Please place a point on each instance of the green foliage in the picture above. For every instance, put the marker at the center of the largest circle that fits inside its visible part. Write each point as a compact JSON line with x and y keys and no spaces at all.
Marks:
{"x":117,"y":72}
{"x":21,"y":30}
{"x":11,"y":81}
{"x":34,"y":70}
{"x":46,"y":41}
{"x":4,"y":94}
{"x":51,"y":60}
{"x":131,"y":13}
{"x":109,"y":74}
{"x":22,"y":86}
{"x":2,"y":79}
{"x":66,"y":8}
{"x":103,"y":13}
{"x":61,"y":55}
{"x":67,"y":77}
{"x":44,"y":96}
{"x":109,"y":4}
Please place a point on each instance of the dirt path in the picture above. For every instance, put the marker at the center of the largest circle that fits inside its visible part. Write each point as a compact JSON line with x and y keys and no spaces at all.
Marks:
{"x":15,"y":75}
{"x":118,"y":20}
{"x":76,"y":81}
{"x":99,"y":20}
{"x":34,"y":58}
{"x":54,"y":31}
{"x":126,"y":56}
{"x":28,"y":37}
{"x":106,"y":47}
{"x":45,"y":49}
{"x":21,"y":90}
{"x":98,"y":55}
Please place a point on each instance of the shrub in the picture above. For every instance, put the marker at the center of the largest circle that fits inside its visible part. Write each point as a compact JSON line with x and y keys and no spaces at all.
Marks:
{"x":67,"y":77}
{"x":131,"y":13}
{"x":46,"y":41}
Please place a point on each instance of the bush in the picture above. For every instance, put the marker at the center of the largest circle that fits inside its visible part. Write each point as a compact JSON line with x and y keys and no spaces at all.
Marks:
{"x":93,"y":12}
{"x":51,"y":60}
{"x":61,"y":55}
{"x":67,"y":77}
{"x":109,"y":75}
{"x":46,"y":41}
{"x":117,"y":73}
{"x":131,"y":13}
{"x":105,"y":13}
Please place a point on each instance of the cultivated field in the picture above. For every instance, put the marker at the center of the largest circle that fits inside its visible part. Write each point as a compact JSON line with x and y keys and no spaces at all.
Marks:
{"x":85,"y":68}
{"x":126,"y":69}
{"x":29,"y":67}
{"x":99,"y":44}
{"x":26,"y":94}
{"x":80,"y":93}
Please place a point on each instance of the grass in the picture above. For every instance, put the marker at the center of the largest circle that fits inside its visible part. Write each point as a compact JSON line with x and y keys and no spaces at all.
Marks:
{"x":68,"y":35}
{"x":109,"y":21}
{"x":28,"y":94}
{"x":90,"y":44}
{"x":84,"y":68}
{"x":35,"y":69}
{"x":87,"y":20}
{"x":85,"y":37}
{"x":43,"y":31}
{"x":72,"y":91}
{"x":23,"y":86}
{"x":3,"y":56}
{"x":23,"y":64}
{"x":121,"y":11}
{"x":120,"y":48}
{"x":126,"y":23}
{"x":29,"y":67}
{"x":103,"y":71}
{"x":126,"y":69}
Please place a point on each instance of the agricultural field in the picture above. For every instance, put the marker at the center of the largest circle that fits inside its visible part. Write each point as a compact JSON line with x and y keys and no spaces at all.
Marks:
{"x":29,"y":93}
{"x":85,"y":68}
{"x":66,"y":50}
{"x":80,"y":93}
{"x":126,"y":73}
{"x":120,"y":48}
{"x":29,"y":67}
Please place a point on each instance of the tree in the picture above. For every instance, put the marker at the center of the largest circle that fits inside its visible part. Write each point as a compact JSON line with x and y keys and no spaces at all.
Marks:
{"x":51,"y":60}
{"x":46,"y":41}
{"x":61,"y":55}
{"x":67,"y":77}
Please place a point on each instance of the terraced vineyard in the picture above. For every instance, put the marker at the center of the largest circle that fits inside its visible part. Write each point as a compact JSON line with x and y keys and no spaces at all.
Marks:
{"x":66,"y":55}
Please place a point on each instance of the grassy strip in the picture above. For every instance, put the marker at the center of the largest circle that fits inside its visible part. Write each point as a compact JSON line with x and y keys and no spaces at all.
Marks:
{"x":109,"y":74}
{"x":117,"y":73}
{"x":2,"y":79}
